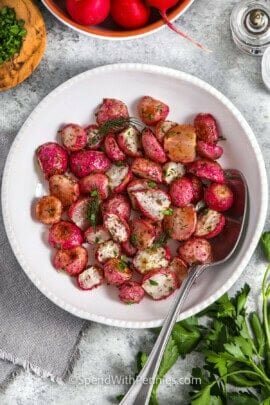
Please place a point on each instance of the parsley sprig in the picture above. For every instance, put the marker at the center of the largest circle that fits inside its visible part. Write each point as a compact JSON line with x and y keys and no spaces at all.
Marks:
{"x":12,"y":33}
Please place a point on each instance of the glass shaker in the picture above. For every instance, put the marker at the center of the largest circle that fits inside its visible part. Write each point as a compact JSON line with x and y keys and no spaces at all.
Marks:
{"x":250,"y":26}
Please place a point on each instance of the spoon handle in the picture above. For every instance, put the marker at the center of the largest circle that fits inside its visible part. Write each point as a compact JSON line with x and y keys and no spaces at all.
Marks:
{"x":141,"y":389}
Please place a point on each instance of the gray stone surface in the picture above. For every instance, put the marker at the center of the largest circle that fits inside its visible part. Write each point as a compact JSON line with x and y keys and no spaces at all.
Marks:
{"x":104,"y":350}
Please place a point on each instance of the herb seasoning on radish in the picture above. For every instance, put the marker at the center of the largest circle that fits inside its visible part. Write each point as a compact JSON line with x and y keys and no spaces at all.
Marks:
{"x":131,"y":209}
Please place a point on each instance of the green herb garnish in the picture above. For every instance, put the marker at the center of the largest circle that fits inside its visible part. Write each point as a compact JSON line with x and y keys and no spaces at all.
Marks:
{"x":12,"y":33}
{"x":122,"y":265}
{"x":134,"y":240}
{"x":152,"y":184}
{"x":167,"y":212}
{"x":118,"y":124}
{"x":93,"y":208}
{"x":161,"y":240}
{"x":153,"y":282}
{"x":265,"y":244}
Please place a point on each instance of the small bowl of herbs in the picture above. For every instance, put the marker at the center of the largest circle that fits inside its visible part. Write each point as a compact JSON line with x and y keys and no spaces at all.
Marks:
{"x":22,"y":41}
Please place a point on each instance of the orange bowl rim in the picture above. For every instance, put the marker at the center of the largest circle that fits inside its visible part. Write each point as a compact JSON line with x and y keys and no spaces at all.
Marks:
{"x":115,"y":35}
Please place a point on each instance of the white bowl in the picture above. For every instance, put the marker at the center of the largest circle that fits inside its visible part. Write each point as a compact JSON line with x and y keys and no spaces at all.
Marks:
{"x":75,"y":101}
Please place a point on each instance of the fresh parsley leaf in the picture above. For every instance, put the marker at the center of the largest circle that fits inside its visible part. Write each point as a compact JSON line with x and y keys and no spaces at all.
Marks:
{"x":167,"y":212}
{"x":170,"y":357}
{"x":152,"y":184}
{"x":265,"y":244}
{"x":153,"y":282}
{"x":134,"y":240}
{"x":186,"y":336}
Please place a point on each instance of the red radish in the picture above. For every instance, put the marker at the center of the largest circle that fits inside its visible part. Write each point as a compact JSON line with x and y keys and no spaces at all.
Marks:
{"x":130,"y":14}
{"x":88,"y":12}
{"x":163,"y":6}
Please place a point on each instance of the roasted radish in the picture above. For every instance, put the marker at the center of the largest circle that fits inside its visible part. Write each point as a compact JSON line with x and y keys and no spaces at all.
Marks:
{"x":118,"y":205}
{"x":136,"y":185}
{"x":112,"y":149}
{"x":117,"y":227}
{"x":96,"y":235}
{"x":180,"y":144}
{"x":116,"y":272}
{"x":182,"y":223}
{"x":197,"y":188}
{"x":143,"y":233}
{"x":73,"y":137}
{"x":48,"y":210}
{"x":128,"y":248}
{"x":147,"y":169}
{"x":162,"y":128}
{"x":65,"y":235}
{"x":93,"y":137}
{"x":65,"y":188}
{"x":219,"y":197}
{"x":154,"y":203}
{"x":160,"y":283}
{"x":207,"y":170}
{"x":210,"y":223}
{"x":172,"y":171}
{"x":90,"y":278}
{"x":129,"y":140}
{"x":151,"y":258}
{"x":78,"y":213}
{"x":131,"y":292}
{"x":181,"y":192}
{"x":107,"y":250}
{"x":52,"y":159}
{"x":85,"y":162}
{"x":95,"y":181}
{"x":180,"y":268}
{"x":73,"y":260}
{"x":119,"y":177}
{"x":206,"y":128}
{"x":152,"y":148}
{"x":209,"y":151}
{"x":196,"y":250}
{"x":151,"y":111}
{"x":111,"y":109}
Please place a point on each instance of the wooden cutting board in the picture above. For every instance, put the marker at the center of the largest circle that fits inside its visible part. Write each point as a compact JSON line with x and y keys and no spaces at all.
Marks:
{"x":22,"y":65}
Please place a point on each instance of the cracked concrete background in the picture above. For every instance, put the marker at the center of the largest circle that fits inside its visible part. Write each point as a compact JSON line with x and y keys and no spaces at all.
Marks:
{"x":106,"y":350}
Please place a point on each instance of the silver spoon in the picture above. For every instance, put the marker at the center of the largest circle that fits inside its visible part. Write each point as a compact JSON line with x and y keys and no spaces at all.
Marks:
{"x":140,"y":391}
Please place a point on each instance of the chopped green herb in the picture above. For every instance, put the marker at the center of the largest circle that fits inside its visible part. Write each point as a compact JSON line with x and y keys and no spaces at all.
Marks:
{"x":152,"y":184}
{"x":134,"y":240}
{"x":94,"y":193}
{"x":161,"y":240}
{"x":12,"y":33}
{"x":167,"y":212}
{"x":93,"y":208}
{"x":153,"y":282}
{"x":121,"y":265}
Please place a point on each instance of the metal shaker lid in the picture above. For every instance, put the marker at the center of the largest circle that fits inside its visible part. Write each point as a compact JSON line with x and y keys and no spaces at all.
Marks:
{"x":250,"y":26}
